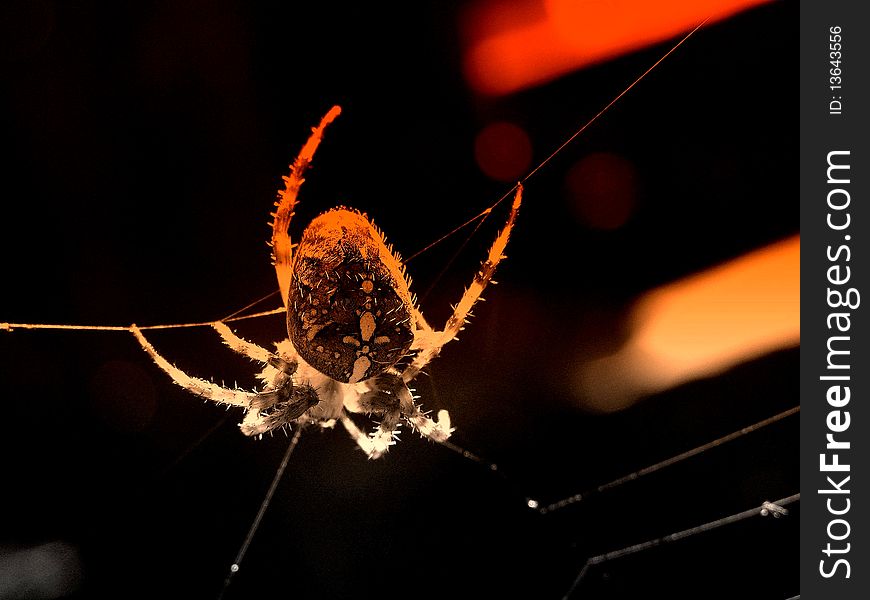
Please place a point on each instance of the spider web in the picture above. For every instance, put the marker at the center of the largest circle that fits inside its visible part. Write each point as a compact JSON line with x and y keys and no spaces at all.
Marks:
{"x":774,"y":509}
{"x":594,"y":567}
{"x":594,"y":563}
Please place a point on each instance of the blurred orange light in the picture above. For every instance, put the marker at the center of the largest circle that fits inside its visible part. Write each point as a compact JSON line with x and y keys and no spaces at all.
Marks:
{"x":702,"y":325}
{"x":503,"y":151}
{"x":514,"y":45}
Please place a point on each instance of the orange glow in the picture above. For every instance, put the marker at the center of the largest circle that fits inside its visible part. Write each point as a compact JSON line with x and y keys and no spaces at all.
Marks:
{"x":602,"y":190}
{"x":503,"y":151}
{"x":514,"y":45}
{"x":702,"y":325}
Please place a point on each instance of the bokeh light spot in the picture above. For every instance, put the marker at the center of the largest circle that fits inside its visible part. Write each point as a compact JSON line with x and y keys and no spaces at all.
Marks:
{"x":503,"y":151}
{"x":49,"y":570}
{"x":602,"y":190}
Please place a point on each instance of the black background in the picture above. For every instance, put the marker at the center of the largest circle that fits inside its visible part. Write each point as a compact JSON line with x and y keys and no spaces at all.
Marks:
{"x":145,"y":143}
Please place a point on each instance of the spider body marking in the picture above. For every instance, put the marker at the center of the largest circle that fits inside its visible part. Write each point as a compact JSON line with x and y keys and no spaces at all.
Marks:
{"x":351,"y":319}
{"x":352,"y":311}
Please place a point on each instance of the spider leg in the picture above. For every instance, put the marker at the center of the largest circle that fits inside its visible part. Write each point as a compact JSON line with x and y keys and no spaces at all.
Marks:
{"x":285,"y":367}
{"x":207,"y":389}
{"x":267,"y":410}
{"x":430,"y":342}
{"x":420,"y":321}
{"x":380,"y":399}
{"x":358,"y":435}
{"x":282,"y":249}
{"x":391,"y":398}
{"x":200,"y":387}
{"x":437,"y":431}
{"x":282,"y":413}
{"x":379,"y":441}
{"x":243,"y":346}
{"x":384,"y":399}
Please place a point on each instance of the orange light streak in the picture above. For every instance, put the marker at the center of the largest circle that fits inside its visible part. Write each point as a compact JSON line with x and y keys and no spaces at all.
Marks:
{"x":702,"y":325}
{"x":515,"y":45}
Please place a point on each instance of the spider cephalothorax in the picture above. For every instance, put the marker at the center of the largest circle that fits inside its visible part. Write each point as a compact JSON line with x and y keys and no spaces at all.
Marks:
{"x":351,"y":320}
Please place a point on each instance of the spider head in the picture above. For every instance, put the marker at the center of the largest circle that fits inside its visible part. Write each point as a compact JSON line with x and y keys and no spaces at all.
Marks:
{"x":350,"y":313}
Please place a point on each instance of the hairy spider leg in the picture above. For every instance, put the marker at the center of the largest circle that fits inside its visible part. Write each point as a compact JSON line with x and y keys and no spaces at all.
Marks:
{"x":420,"y":321}
{"x":289,"y":403}
{"x":430,"y":342}
{"x":389,"y":397}
{"x":291,"y":407}
{"x":284,"y":367}
{"x":200,"y":387}
{"x":282,"y":248}
{"x":243,"y":346}
{"x":379,"y":399}
{"x":359,"y":436}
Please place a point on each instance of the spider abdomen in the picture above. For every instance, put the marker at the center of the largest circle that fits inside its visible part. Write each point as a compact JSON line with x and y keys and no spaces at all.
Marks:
{"x":349,"y":308}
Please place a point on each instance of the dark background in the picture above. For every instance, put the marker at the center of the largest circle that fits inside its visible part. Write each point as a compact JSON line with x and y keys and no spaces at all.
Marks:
{"x":144,"y":144}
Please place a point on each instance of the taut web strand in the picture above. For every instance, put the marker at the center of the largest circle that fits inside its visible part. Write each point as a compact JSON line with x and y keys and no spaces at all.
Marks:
{"x":13,"y":326}
{"x":486,"y":212}
{"x":763,"y":510}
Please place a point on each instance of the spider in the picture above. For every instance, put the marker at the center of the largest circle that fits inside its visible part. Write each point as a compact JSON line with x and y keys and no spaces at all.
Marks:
{"x":351,"y":319}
